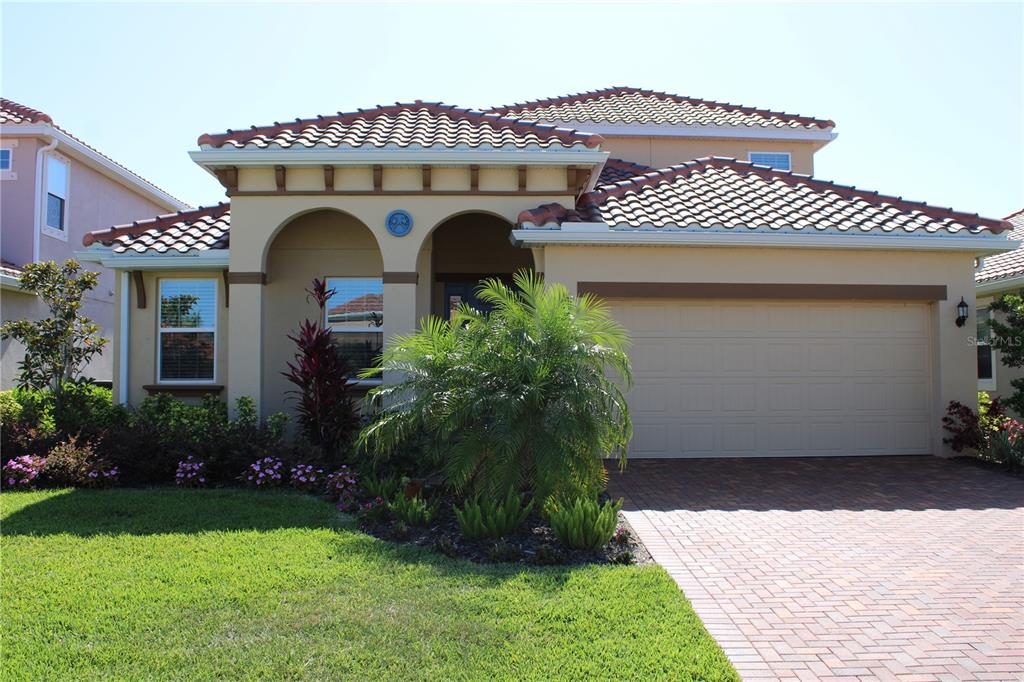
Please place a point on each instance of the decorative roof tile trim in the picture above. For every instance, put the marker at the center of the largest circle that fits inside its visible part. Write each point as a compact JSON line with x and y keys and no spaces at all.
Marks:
{"x":12,"y":112}
{"x":543,"y":132}
{"x":617,"y":170}
{"x":520,"y":108}
{"x":590,"y":206}
{"x":199,"y":229}
{"x":1008,"y":265}
{"x":10,"y":269}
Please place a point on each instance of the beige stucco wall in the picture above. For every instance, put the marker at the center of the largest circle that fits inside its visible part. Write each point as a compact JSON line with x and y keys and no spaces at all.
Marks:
{"x":320,"y":244}
{"x":143,"y":324}
{"x":954,"y":374}
{"x":659,"y":152}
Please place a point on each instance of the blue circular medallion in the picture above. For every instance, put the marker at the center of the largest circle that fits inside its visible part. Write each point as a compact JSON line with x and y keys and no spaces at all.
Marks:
{"x":399,"y":222}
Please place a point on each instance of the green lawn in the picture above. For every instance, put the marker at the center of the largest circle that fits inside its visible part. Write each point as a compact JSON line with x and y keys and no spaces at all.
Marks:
{"x":179,"y":584}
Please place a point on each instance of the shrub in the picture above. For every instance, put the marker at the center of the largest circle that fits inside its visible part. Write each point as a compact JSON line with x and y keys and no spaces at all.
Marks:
{"x":381,"y":486}
{"x":22,"y":472}
{"x":1007,"y":446}
{"x":584,"y":524}
{"x":970,"y":430}
{"x":321,"y":375}
{"x":374,"y":511}
{"x":264,"y":473}
{"x":191,"y":473}
{"x":342,"y":488}
{"x":525,"y":396}
{"x":412,"y":510}
{"x":71,"y":464}
{"x":306,"y":477}
{"x":10,"y":408}
{"x":490,"y":519}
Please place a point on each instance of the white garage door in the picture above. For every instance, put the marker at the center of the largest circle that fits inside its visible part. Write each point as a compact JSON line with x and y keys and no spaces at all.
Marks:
{"x":765,"y":378}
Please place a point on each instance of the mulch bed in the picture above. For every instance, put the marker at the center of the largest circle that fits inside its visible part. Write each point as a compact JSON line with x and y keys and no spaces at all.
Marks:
{"x":534,"y":543}
{"x":990,"y":465}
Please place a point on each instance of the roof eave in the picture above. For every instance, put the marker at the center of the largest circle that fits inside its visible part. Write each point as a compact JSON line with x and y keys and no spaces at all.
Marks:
{"x":213,"y":259}
{"x":821,"y":135}
{"x":210,"y":157}
{"x":1000,"y":285}
{"x":97,"y":161}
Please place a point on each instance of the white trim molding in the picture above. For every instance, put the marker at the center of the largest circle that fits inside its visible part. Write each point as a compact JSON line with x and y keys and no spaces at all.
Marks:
{"x":82,"y":152}
{"x":720,"y":132}
{"x":602,"y":234}
{"x":1000,"y":285}
{"x":199,"y":260}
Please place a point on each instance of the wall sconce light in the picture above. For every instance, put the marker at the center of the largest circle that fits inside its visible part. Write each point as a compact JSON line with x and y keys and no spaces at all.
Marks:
{"x":961,"y":312}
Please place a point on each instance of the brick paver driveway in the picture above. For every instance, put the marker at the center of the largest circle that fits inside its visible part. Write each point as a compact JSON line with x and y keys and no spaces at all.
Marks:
{"x":895,"y":568}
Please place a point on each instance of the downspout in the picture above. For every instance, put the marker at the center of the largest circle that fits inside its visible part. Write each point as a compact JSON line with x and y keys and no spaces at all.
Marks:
{"x":39,"y":196}
{"x":122,"y":339}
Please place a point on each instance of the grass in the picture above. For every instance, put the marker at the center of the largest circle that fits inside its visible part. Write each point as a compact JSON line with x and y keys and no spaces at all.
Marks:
{"x":180,"y":584}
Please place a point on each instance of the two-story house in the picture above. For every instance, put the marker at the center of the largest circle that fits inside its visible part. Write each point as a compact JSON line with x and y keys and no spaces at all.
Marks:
{"x":772,"y":313}
{"x":54,"y":188}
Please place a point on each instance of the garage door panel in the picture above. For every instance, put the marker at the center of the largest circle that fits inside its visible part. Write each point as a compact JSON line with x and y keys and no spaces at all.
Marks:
{"x":775,"y":378}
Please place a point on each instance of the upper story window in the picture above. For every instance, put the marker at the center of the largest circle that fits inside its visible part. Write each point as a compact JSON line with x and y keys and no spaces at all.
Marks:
{"x":355,"y":313}
{"x":56,"y":194}
{"x":188,"y":330}
{"x":5,"y":159}
{"x":777,"y":160}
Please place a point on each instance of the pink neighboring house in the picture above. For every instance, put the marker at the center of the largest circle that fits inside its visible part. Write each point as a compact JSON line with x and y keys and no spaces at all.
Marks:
{"x":54,"y":188}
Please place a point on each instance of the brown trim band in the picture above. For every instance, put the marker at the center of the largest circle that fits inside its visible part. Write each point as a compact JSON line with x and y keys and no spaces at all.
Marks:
{"x":714,"y":290}
{"x":247,"y":278}
{"x":401,"y":277}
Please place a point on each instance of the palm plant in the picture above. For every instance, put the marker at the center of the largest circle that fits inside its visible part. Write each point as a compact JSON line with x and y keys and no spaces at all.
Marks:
{"x":529,"y":395}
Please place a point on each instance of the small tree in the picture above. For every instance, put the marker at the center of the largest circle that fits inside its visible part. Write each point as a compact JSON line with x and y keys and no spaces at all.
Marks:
{"x":526,"y":396}
{"x":326,"y":411}
{"x":58,"y":347}
{"x":1007,"y":336}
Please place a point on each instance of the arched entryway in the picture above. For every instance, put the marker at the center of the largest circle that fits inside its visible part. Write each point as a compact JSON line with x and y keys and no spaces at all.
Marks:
{"x":321,"y":244}
{"x":465,"y":249}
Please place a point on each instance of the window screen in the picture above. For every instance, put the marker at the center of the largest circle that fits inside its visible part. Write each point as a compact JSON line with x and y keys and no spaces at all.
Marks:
{"x":775,"y":160}
{"x":355,"y":313}
{"x":5,"y":159}
{"x":56,"y":193}
{"x":188,"y":329}
{"x":984,"y":347}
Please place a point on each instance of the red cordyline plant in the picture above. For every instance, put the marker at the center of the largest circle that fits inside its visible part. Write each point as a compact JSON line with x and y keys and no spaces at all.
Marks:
{"x":324,"y":405}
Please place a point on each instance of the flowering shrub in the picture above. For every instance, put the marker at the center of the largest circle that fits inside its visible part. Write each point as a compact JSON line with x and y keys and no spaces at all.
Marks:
{"x":374,"y":511}
{"x":21,"y":472}
{"x":191,"y":473}
{"x":970,"y":430}
{"x":305,"y":477}
{"x":101,"y":475}
{"x":264,"y":473}
{"x":342,"y":486}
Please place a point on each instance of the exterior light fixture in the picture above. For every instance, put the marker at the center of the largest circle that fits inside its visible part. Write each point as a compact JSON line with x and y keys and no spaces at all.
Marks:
{"x":961,"y":312}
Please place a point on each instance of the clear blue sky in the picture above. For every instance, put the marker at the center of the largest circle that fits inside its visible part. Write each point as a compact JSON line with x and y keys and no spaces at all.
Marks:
{"x":926,"y":97}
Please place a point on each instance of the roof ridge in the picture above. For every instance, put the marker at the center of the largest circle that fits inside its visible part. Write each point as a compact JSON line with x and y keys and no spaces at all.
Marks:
{"x":626,"y":89}
{"x":344,"y":117}
{"x":159,"y":223}
{"x":657,"y":176}
{"x":1014,"y":214}
{"x":33,"y":115}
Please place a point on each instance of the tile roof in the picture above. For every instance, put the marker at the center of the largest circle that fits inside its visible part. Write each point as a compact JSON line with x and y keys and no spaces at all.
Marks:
{"x":726,"y":193}
{"x":13,"y":113}
{"x":422,"y":124}
{"x":1008,"y":264}
{"x":625,"y":105}
{"x":616,"y":170}
{"x":10,"y":269}
{"x":200,"y":229}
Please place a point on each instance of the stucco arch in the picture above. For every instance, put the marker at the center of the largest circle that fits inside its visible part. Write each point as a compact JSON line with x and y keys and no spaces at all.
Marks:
{"x":348,"y":221}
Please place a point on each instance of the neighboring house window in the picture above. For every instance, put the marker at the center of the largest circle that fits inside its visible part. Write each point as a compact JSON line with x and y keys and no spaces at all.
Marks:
{"x":779,"y":160}
{"x":5,"y":159}
{"x":986,"y":353}
{"x":355,"y":313}
{"x":56,"y":193}
{"x":188,"y":330}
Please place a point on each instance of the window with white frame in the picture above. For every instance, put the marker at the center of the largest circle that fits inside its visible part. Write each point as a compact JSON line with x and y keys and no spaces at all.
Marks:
{"x":56,"y":193}
{"x":986,"y":353}
{"x":777,"y":160}
{"x":5,"y":159}
{"x":188,"y":330}
{"x":355,"y":314}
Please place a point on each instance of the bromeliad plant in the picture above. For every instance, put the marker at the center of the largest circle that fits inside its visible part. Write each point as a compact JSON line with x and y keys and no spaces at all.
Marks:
{"x":489,"y":519}
{"x":326,"y":411}
{"x":528,"y":396}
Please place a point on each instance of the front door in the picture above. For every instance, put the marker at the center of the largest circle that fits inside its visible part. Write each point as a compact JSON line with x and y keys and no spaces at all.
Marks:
{"x":459,"y":292}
